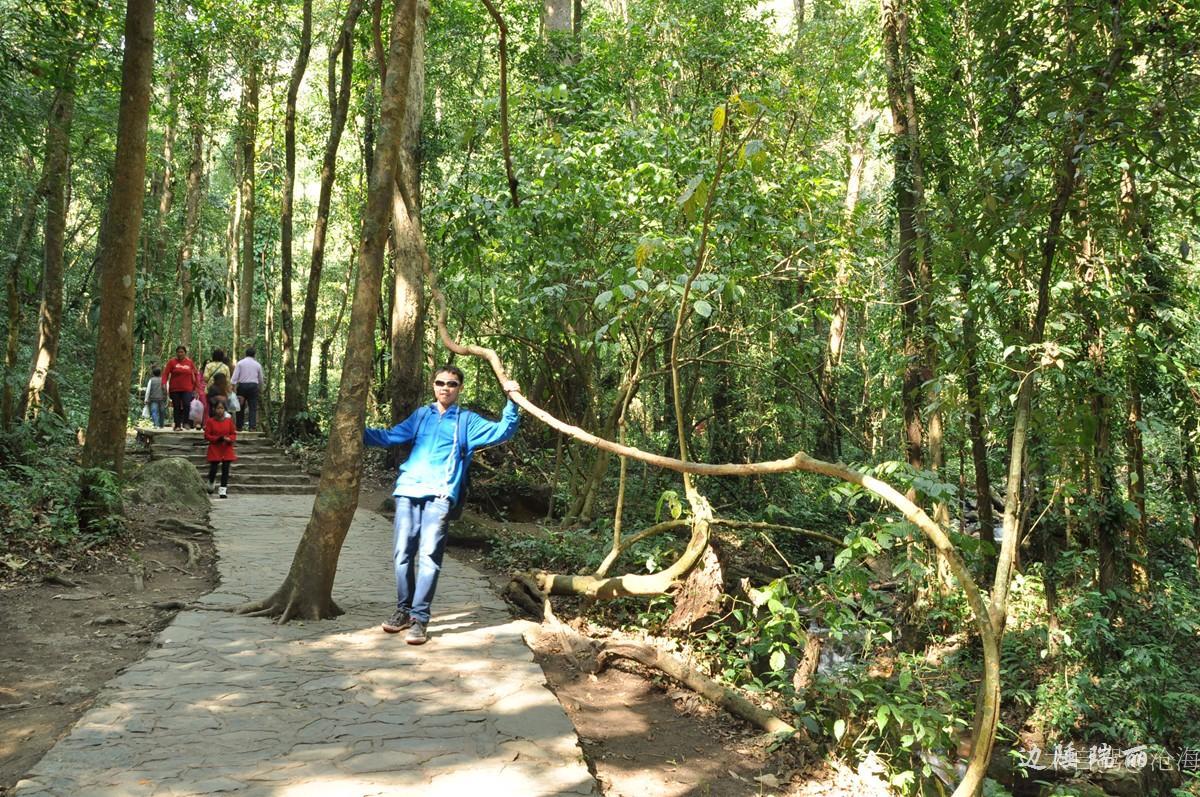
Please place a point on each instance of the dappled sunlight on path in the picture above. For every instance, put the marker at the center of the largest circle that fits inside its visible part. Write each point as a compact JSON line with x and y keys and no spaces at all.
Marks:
{"x":239,"y":705}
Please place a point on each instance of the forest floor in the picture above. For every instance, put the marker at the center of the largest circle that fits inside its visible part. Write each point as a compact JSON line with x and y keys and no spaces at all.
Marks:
{"x":68,"y":631}
{"x":641,"y":734}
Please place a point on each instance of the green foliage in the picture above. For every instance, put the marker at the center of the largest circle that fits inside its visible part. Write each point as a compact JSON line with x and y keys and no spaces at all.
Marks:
{"x":41,"y":495}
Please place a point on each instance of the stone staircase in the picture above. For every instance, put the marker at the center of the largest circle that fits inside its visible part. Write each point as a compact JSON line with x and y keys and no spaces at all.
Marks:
{"x":261,"y":468}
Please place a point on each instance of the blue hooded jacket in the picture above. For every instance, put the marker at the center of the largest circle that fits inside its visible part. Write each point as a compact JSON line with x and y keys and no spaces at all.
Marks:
{"x":436,"y":467}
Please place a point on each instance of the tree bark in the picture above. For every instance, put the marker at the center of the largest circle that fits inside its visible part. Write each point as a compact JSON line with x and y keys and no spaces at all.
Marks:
{"x":405,"y":383}
{"x":504,"y":138}
{"x":57,"y":164}
{"x":1139,"y":235}
{"x":286,"y":328}
{"x":910,"y":293}
{"x":307,"y":591}
{"x":829,"y":438}
{"x":105,"y":445}
{"x":244,"y":334}
{"x":191,"y":223}
{"x":1190,"y":489}
{"x":296,"y":393}
{"x":1065,"y":184}
{"x":976,"y":413}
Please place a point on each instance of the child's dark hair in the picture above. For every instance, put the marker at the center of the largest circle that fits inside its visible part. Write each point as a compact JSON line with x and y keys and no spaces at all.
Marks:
{"x":157,"y":371}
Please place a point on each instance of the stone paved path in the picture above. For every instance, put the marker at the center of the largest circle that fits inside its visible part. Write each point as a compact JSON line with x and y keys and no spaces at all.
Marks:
{"x":235,"y":705}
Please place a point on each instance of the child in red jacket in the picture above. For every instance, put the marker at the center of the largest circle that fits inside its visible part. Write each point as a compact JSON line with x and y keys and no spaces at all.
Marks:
{"x":220,"y":432}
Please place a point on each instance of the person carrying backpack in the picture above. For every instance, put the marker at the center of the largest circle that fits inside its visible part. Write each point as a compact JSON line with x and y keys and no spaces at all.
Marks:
{"x":430,"y":489}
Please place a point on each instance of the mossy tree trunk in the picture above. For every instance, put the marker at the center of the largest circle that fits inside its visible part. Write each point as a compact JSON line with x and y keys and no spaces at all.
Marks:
{"x":58,"y":138}
{"x":109,"y":413}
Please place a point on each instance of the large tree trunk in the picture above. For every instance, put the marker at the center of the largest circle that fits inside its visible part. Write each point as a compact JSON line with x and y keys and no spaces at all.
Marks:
{"x":244,"y":335}
{"x":58,"y":142}
{"x":408,"y":301}
{"x":191,"y":223}
{"x":307,"y":591}
{"x":296,"y":392}
{"x":286,"y":328}
{"x":559,"y":16}
{"x":105,"y":446}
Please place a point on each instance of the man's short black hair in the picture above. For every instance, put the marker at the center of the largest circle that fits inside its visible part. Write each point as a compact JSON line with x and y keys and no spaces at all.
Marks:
{"x":451,"y":369}
{"x":249,"y":351}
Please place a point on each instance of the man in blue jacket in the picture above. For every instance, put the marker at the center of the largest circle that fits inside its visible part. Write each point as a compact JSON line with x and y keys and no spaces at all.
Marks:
{"x":430,"y":482}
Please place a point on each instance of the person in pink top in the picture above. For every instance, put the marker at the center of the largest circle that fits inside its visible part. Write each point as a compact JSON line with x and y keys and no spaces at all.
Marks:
{"x":247,"y":379}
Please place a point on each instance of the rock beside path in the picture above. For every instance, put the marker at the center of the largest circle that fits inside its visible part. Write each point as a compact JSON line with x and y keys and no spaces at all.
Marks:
{"x":171,"y":482}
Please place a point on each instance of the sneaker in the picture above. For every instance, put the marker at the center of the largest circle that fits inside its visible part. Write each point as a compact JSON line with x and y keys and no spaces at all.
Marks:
{"x":212,"y":487}
{"x":399,"y":620}
{"x":222,"y":493}
{"x":416,"y":634}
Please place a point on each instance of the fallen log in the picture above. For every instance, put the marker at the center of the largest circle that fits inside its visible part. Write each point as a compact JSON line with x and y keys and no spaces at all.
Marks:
{"x":698,"y":682}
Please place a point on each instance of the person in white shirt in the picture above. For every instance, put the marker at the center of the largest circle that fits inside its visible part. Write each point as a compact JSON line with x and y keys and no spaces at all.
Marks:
{"x":247,"y":379}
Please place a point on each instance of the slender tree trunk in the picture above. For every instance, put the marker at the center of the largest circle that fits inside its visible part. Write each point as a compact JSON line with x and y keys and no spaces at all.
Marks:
{"x":307,"y":591}
{"x":286,"y":328}
{"x":109,"y":415}
{"x":58,"y":157}
{"x":1107,"y":513}
{"x":15,"y":298}
{"x":1190,"y":489}
{"x":1064,"y":189}
{"x":905,"y":154}
{"x":191,"y":222}
{"x":976,"y":413}
{"x":244,"y":333}
{"x":1138,"y":233}
{"x":233,"y":234}
{"x":829,"y":438}
{"x":406,"y":386}
{"x":296,"y":398}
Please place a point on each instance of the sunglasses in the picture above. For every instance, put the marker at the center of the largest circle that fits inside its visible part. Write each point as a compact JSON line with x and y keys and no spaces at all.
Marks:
{"x":447,"y":383}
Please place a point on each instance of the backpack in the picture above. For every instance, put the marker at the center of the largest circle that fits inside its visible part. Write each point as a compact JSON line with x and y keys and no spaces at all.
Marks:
{"x":456,"y":508}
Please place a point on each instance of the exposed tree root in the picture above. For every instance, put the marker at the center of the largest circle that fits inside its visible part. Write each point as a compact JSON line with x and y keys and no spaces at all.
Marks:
{"x":287,"y":604}
{"x":193,"y":550}
{"x":523,"y":592}
{"x":699,"y":683}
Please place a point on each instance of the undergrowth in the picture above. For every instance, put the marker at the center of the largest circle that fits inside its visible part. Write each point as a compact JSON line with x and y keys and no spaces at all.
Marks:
{"x":42,"y":500}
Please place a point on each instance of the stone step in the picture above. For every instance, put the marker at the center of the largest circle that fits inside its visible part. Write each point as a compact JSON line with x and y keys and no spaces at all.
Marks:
{"x":270,"y":489}
{"x":159,"y":436}
{"x":257,"y":467}
{"x":261,"y":467}
{"x":199,"y":442}
{"x":282,"y":479}
{"x":201,"y":451}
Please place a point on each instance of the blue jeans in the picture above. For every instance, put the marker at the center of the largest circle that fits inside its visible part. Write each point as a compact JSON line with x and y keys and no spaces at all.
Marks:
{"x":419,"y":542}
{"x":156,"y":413}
